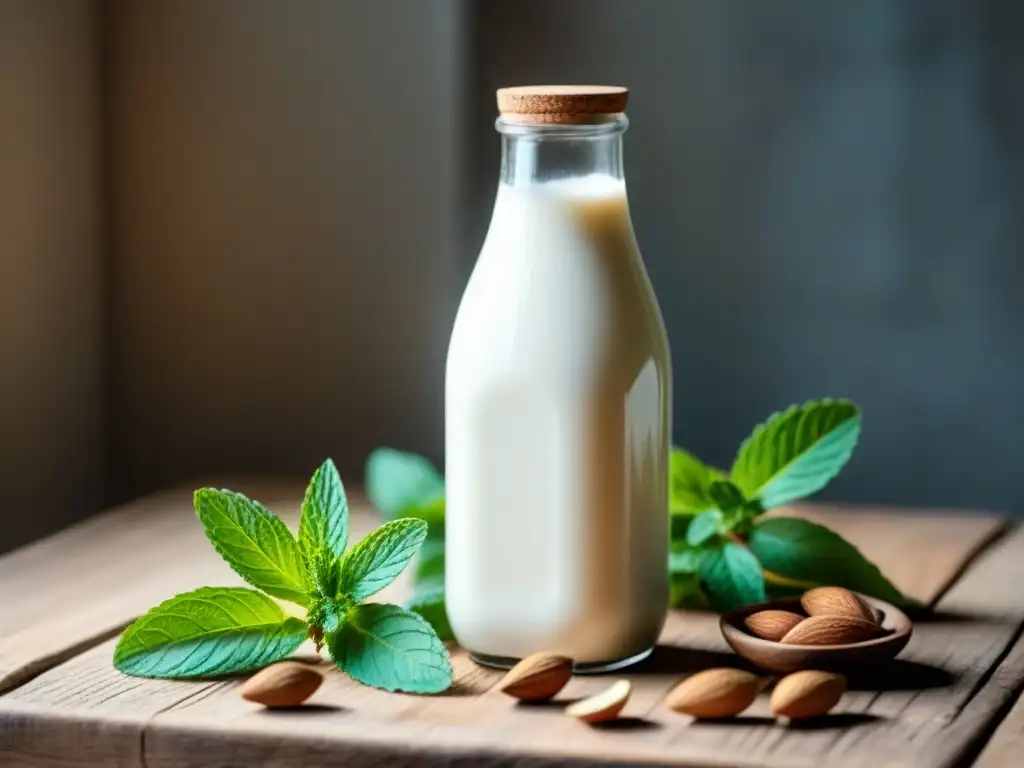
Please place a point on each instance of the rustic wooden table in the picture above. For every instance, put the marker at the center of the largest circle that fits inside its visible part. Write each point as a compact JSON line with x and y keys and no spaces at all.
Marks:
{"x":948,"y":700}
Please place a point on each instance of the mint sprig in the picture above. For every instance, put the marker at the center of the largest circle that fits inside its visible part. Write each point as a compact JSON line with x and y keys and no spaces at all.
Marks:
{"x":216,"y":631}
{"x":724,"y":554}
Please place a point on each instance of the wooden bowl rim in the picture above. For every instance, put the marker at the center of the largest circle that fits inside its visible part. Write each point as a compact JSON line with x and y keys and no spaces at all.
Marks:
{"x":732,"y":624}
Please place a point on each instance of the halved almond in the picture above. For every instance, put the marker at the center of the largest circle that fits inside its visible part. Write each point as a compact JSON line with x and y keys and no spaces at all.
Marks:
{"x":604,"y":706}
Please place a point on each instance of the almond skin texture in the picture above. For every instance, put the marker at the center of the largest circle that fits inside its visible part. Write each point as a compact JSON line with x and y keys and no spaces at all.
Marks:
{"x":831,"y":630}
{"x":715,"y":693}
{"x":604,"y":706}
{"x":537,"y":677}
{"x":772,"y":624}
{"x":836,"y":601}
{"x":285,"y":684}
{"x":807,"y":694}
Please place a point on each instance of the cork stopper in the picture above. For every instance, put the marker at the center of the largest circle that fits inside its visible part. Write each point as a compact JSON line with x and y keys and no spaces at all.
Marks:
{"x":560,"y":104}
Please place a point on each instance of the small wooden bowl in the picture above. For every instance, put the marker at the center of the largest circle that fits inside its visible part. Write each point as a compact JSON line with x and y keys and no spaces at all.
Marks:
{"x":786,"y":657}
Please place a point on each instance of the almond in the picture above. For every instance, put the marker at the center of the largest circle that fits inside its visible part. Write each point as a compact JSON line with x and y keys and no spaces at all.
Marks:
{"x":537,"y":677}
{"x":807,"y":694}
{"x":836,"y":601}
{"x":831,"y":630}
{"x":604,"y":706}
{"x":715,"y":693}
{"x":772,"y":624}
{"x":285,"y":684}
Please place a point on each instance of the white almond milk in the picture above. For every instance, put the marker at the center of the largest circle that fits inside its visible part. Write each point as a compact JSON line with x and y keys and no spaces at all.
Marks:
{"x":557,"y":407}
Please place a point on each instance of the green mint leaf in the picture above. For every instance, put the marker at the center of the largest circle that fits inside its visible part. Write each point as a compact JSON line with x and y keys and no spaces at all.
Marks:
{"x":704,"y":527}
{"x":428,"y":602}
{"x":254,"y":542}
{"x":327,"y":614}
{"x":388,"y":647}
{"x":733,"y":577}
{"x":796,"y":453}
{"x":208,"y":632}
{"x":689,"y":483}
{"x":430,"y":563}
{"x":685,"y":592}
{"x":808,"y":552}
{"x":726,"y":495}
{"x":397,"y":481}
{"x":678,"y":526}
{"x":683,"y":558}
{"x":324,"y":521}
{"x":775,"y":591}
{"x":432,"y":513}
{"x":324,"y":570}
{"x":377,"y":560}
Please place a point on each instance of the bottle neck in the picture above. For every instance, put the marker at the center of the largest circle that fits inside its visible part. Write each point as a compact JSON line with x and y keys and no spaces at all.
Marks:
{"x":532,"y":154}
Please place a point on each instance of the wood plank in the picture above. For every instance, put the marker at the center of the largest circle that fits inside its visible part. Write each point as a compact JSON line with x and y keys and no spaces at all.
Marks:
{"x":128,"y":721}
{"x":929,"y":709}
{"x":67,"y":592}
{"x":1005,"y":749}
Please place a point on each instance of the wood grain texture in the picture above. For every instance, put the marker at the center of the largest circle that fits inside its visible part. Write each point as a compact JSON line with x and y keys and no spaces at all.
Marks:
{"x":65,"y":593}
{"x":930,"y":708}
{"x":1005,"y":748}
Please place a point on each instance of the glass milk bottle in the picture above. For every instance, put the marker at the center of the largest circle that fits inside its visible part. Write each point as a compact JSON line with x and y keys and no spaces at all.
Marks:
{"x":558,"y":393}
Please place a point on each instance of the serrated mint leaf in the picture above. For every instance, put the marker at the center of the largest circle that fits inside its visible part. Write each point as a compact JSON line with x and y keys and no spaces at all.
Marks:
{"x":377,"y":560}
{"x":703,"y":527}
{"x":808,"y":552}
{"x":324,"y":572}
{"x":397,"y":481}
{"x":209,"y":632}
{"x":388,"y":647}
{"x":428,"y":602}
{"x":324,"y":522}
{"x":430,"y":563}
{"x":689,"y":483}
{"x":796,"y":453}
{"x":254,"y":542}
{"x":733,"y":577}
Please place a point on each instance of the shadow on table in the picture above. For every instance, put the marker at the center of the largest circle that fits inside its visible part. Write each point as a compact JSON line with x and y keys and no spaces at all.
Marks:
{"x":303,"y":710}
{"x":671,"y":659}
{"x":839,"y":720}
{"x":897,"y":675}
{"x":963,"y":617}
{"x":628,"y":724}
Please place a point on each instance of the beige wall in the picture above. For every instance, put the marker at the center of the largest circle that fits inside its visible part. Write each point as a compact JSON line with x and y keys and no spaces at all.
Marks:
{"x":283,"y":182}
{"x":51,"y":451}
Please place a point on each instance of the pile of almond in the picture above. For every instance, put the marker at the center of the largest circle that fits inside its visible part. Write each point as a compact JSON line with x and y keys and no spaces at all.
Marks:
{"x":724,"y":692}
{"x":834,"y":616}
{"x":711,"y":694}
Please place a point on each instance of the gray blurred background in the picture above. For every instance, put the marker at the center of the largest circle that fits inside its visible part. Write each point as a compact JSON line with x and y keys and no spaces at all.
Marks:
{"x":233,"y":233}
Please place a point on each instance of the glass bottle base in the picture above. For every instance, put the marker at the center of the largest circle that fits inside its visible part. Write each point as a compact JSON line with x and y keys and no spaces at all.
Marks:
{"x":584,"y":668}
